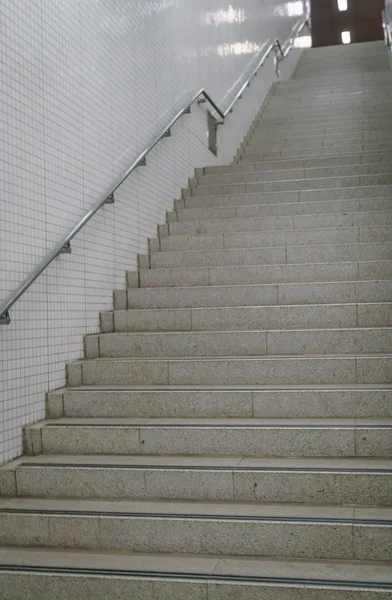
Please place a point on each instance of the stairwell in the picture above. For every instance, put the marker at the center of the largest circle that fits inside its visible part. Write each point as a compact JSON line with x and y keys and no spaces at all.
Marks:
{"x":229,"y":433}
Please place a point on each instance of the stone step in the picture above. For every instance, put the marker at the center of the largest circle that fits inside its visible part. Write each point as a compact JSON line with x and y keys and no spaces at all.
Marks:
{"x":230,"y":402}
{"x":294,"y":174}
{"x":354,"y":98}
{"x":268,"y":139}
{"x":357,"y":481}
{"x":252,"y":437}
{"x":346,"y":84}
{"x":280,"y":237}
{"x":297,"y":216}
{"x":355,"y":123}
{"x":242,"y":205}
{"x":322,"y":123}
{"x":325,"y":117}
{"x":319,"y":183}
{"x":299,"y":103}
{"x":264,"y":370}
{"x":41,"y":573}
{"x":281,"y":152}
{"x":331,"y":119}
{"x":249,"y":342}
{"x":273,"y":273}
{"x":329,"y":110}
{"x":331,"y":292}
{"x":218,"y":219}
{"x":233,"y":529}
{"x":322,"y":129}
{"x":280,"y":255}
{"x":310,"y":131}
{"x":340,"y":82}
{"x":249,"y":318}
{"x":349,"y":144}
{"x":370,"y":125}
{"x":303,"y":163}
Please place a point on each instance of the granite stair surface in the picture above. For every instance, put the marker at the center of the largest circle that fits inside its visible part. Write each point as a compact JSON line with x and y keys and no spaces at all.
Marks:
{"x":228,"y":433}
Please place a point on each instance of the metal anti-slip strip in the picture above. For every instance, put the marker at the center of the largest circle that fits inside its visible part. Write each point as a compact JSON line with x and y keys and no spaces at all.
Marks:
{"x":284,"y":581}
{"x":202,"y":517}
{"x":213,"y":426}
{"x":229,"y":390}
{"x":205,"y":468}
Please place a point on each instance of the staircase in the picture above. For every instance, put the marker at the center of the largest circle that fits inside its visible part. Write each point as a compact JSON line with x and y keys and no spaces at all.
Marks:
{"x":229,"y":433}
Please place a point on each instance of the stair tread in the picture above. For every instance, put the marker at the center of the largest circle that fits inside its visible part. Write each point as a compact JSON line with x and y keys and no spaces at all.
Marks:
{"x":222,"y":509}
{"x":248,"y":358}
{"x":295,"y":215}
{"x":351,"y":464}
{"x":249,"y":422}
{"x":272,"y":265}
{"x":299,"y":170}
{"x":266,"y":248}
{"x":253,"y":306}
{"x":258,"y":285}
{"x":300,"y":180}
{"x":341,"y":228}
{"x":236,"y":330}
{"x":209,"y":566}
{"x":229,"y":388}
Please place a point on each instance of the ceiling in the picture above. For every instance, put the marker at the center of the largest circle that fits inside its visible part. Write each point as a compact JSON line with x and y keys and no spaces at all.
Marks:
{"x":362,"y":19}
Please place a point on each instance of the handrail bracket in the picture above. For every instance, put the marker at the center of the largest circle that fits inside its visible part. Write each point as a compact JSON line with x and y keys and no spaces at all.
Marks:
{"x":5,"y":318}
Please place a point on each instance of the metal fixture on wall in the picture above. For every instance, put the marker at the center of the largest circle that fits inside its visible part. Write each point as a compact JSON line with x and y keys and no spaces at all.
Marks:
{"x":387,"y":27}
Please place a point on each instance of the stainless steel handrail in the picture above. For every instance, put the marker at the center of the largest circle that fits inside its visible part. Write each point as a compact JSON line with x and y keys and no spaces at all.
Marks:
{"x":387,"y":26}
{"x":64,"y":245}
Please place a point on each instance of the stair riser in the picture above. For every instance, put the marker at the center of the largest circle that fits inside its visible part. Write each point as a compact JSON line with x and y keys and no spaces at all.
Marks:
{"x":305,"y":215}
{"x":332,"y":228}
{"x":321,"y":152}
{"x":324,"y":117}
{"x":239,"y":343}
{"x":272,"y":317}
{"x":283,"y":141}
{"x":243,"y":205}
{"x":294,"y":174}
{"x":250,"y":486}
{"x":290,"y":185}
{"x":282,"y":294}
{"x":290,"y":273}
{"x":47,"y":586}
{"x":232,"y":371}
{"x":299,"y":102}
{"x":299,"y":98}
{"x":338,"y":160}
{"x":329,"y":110}
{"x":285,"y":150}
{"x":309,"y":163}
{"x":324,"y":133}
{"x":302,"y":237}
{"x":273,"y":255}
{"x":346,"y":83}
{"x":341,"y":82}
{"x":306,"y":120}
{"x":365,"y":128}
{"x":210,"y":403}
{"x":210,"y":441}
{"x":305,"y":107}
{"x":197,"y":536}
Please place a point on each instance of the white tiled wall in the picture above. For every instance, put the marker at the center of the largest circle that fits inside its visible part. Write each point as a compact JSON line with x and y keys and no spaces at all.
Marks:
{"x":84,"y":86}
